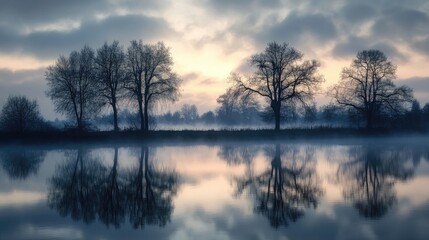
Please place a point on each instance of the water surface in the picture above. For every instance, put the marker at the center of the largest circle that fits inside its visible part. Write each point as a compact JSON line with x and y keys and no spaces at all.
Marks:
{"x":357,"y":189}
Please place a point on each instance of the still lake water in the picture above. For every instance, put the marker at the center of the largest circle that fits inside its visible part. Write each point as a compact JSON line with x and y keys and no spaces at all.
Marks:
{"x":352,"y":189}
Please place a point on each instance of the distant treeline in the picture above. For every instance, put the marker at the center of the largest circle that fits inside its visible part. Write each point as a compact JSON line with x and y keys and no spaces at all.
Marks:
{"x":331,"y":116}
{"x":112,"y":85}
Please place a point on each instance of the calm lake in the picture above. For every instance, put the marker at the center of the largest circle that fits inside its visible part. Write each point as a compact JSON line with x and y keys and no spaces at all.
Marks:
{"x":340,"y":189}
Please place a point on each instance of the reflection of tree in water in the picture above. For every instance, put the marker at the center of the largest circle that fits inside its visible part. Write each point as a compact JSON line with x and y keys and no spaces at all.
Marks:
{"x":74,"y":188}
{"x":112,"y":195}
{"x":85,"y":189}
{"x":286,"y":189}
{"x":237,"y":155}
{"x":21,"y":163}
{"x":150,"y":192}
{"x":369,"y":178}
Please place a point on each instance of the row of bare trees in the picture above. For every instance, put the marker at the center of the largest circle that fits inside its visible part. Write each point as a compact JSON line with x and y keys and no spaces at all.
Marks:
{"x":84,"y":82}
{"x":87,"y":81}
{"x":282,"y":78}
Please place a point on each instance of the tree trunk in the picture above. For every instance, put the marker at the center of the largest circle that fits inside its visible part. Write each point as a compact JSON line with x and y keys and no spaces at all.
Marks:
{"x":276,"y":108}
{"x":141,"y":113}
{"x":115,"y":115}
{"x":146,"y":118}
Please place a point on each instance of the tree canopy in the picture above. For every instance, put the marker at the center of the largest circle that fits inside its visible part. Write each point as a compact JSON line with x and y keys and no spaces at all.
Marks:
{"x":367,"y":87}
{"x":281,"y":76}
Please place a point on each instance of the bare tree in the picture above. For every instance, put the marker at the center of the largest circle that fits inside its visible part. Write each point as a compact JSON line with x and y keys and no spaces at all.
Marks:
{"x":237,"y":107}
{"x":152,"y":78}
{"x":281,"y":76}
{"x":72,"y":86}
{"x":189,"y":113}
{"x":111,"y":74}
{"x":285,"y":189}
{"x":19,"y":114}
{"x":369,"y":176}
{"x":367,"y":87}
{"x":149,"y":192}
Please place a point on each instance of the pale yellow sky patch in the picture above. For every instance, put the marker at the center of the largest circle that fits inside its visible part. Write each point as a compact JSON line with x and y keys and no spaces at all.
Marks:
{"x":22,"y":62}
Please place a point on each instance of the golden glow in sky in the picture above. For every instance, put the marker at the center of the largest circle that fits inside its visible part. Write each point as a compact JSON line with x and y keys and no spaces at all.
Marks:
{"x":210,"y":39}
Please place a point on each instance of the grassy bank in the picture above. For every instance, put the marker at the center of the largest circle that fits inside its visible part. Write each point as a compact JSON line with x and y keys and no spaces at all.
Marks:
{"x":197,"y":135}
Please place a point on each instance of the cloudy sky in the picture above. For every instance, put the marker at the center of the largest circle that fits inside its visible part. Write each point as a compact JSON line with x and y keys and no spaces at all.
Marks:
{"x":211,"y":38}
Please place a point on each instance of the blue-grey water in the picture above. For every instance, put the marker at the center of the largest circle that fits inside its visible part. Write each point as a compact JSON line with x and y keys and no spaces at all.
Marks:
{"x":342,"y":189}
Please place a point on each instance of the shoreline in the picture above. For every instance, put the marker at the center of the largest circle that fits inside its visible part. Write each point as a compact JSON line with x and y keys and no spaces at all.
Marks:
{"x":189,"y":136}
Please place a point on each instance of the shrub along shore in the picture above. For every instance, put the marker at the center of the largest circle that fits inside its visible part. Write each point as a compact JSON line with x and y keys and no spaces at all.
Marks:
{"x":201,"y":135}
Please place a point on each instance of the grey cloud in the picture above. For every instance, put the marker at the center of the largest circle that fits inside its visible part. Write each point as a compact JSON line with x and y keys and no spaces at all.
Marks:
{"x":420,"y":86}
{"x":417,"y":83}
{"x":401,"y":22}
{"x":357,"y":12}
{"x":231,"y":223}
{"x":352,"y":45}
{"x":24,"y":13}
{"x":50,"y":44}
{"x":189,"y":77}
{"x":238,"y":6}
{"x":208,"y":81}
{"x":422,"y":45}
{"x":29,"y":12}
{"x":297,"y":28}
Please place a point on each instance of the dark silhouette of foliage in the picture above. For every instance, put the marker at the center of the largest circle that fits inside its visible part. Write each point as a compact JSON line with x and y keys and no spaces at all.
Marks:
{"x":234,"y":154}
{"x":208,"y":117}
{"x":112,"y":207}
{"x":367,"y":87}
{"x":72,"y":86}
{"x":21,"y":163}
{"x":86,"y":189}
{"x":286,"y":189}
{"x":151,"y":78}
{"x":111,"y":74}
{"x":425,"y":116}
{"x":236,"y":107}
{"x":369,"y":176}
{"x":74,"y":188}
{"x":189,"y":113}
{"x":19,"y":114}
{"x":149,"y":193}
{"x":280,"y":77}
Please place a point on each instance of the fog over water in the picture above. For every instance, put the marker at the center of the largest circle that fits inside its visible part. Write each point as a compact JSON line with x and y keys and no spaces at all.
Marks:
{"x":354,"y":189}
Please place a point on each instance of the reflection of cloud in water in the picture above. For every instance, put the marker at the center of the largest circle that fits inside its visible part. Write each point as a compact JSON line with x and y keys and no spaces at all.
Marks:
{"x":20,"y":197}
{"x":205,"y":207}
{"x":30,"y":231}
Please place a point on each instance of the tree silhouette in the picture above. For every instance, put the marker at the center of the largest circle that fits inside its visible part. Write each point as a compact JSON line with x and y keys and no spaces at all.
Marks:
{"x":236,"y":106}
{"x":111,"y":74}
{"x":149,"y":193}
{"x":280,"y":77}
{"x":72,"y":86}
{"x":369,"y":178}
{"x":86,"y":189}
{"x":112,"y":206}
{"x":189,"y":113}
{"x":74,"y":188}
{"x":286,"y":189}
{"x":367,"y":87}
{"x":236,"y":154}
{"x":151,"y":77}
{"x":20,"y":163}
{"x":19,"y":114}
